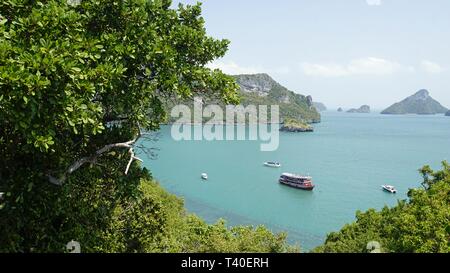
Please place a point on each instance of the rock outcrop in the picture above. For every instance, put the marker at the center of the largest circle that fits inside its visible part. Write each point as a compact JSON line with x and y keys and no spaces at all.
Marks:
{"x":365,"y":109}
{"x":294,"y":126}
{"x":257,"y":83}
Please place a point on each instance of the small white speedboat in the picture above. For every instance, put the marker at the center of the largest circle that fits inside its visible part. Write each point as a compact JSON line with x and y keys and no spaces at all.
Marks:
{"x":204,"y":176}
{"x":272,"y":164}
{"x":389,"y":188}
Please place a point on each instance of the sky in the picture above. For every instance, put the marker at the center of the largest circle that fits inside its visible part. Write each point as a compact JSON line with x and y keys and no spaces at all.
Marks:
{"x":345,"y":53}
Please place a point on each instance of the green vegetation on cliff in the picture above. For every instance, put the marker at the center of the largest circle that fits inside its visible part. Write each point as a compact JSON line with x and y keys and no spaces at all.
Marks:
{"x":420,"y":224}
{"x":156,"y":221}
{"x":261,"y":89}
{"x":293,"y":125}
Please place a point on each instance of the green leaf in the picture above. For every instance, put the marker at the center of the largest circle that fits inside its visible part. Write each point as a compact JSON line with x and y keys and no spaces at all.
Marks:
{"x":30,"y":186}
{"x":23,"y":124}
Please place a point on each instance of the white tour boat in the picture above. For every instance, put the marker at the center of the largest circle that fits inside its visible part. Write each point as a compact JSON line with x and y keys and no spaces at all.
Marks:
{"x":389,"y":188}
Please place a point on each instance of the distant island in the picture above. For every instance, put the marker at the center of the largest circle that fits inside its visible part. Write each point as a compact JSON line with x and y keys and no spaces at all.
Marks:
{"x":420,"y":103}
{"x":365,"y":109}
{"x":295,"y":126}
{"x":320,"y":106}
{"x":340,"y":109}
{"x":448,"y":113}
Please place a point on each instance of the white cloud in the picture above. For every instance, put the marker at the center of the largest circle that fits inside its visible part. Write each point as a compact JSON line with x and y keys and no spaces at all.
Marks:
{"x":280,"y":70}
{"x":374,"y":2}
{"x":364,"y":66}
{"x":232,"y":68}
{"x":431,"y":67}
{"x":324,"y":70}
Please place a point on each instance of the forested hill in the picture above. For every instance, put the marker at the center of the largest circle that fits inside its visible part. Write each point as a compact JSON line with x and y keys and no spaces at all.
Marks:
{"x":261,"y":89}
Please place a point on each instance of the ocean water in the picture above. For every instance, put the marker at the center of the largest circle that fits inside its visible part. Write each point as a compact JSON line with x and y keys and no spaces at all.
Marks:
{"x":349,"y":157}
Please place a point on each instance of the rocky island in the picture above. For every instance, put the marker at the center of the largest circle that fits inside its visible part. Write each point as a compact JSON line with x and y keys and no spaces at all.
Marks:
{"x":295,"y":126}
{"x":448,"y":113}
{"x":261,"y":89}
{"x":420,"y":103}
{"x":365,"y":109}
{"x":340,"y":109}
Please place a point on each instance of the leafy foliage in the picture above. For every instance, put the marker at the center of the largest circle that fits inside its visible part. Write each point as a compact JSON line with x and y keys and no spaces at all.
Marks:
{"x":75,"y":78}
{"x":420,"y":225}
{"x":157,"y":222}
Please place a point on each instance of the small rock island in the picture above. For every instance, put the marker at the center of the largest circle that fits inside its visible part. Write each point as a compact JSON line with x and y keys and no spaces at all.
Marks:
{"x":340,"y":109}
{"x":295,"y":126}
{"x":448,"y":113}
{"x":365,"y":109}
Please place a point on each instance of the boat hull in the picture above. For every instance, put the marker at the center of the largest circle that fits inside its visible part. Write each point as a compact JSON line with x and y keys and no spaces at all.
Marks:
{"x":272,"y":166}
{"x":297,"y":186}
{"x":390,"y":191}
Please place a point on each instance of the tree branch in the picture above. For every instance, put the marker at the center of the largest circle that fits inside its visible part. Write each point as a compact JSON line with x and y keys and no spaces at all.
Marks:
{"x":91,"y":159}
{"x":132,"y":158}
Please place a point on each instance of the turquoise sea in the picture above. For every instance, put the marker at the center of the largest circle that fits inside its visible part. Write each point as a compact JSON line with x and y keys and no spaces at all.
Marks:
{"x":349,"y":157}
